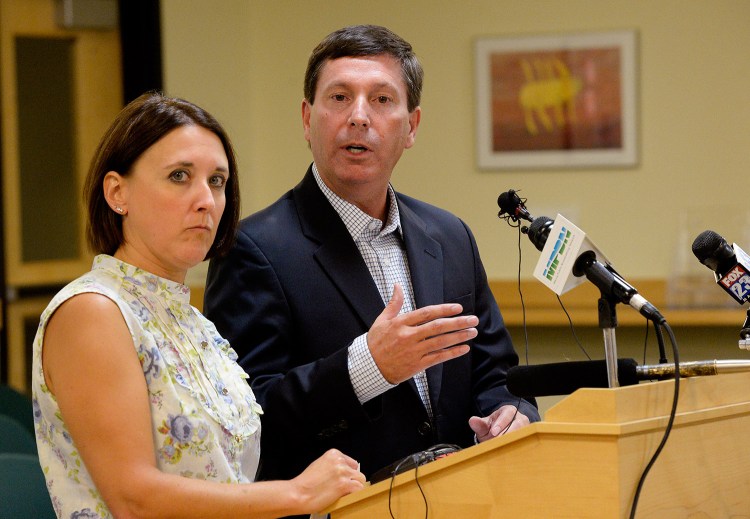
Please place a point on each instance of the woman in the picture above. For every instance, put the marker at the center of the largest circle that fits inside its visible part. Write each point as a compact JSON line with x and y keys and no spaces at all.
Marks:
{"x":140,"y":408}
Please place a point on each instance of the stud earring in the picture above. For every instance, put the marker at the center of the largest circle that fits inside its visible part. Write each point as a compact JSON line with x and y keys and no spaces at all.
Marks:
{"x":118,"y":209}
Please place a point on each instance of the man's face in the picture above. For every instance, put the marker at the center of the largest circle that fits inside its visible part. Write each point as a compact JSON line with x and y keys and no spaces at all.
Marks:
{"x":359,"y":125}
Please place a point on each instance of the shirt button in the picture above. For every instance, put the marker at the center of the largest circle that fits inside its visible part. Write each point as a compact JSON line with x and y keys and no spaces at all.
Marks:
{"x":204,"y":344}
{"x":225,"y":391}
{"x":424,"y":428}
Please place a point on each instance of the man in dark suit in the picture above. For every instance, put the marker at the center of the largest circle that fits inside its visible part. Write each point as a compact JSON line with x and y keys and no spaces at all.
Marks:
{"x":363,"y":316}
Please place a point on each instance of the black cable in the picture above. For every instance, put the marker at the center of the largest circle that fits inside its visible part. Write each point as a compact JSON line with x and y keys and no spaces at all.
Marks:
{"x":660,"y":342}
{"x":390,"y":488}
{"x":520,"y":294}
{"x":512,"y":419}
{"x":645,"y":340}
{"x":424,"y":498}
{"x":572,"y":329}
{"x":672,"y":415}
{"x":417,"y":459}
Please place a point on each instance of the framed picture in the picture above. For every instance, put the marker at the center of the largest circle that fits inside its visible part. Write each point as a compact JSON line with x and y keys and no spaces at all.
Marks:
{"x":556,"y":101}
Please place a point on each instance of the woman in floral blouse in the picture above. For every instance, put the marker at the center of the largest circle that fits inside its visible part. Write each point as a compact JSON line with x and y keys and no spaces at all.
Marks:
{"x":140,"y":407}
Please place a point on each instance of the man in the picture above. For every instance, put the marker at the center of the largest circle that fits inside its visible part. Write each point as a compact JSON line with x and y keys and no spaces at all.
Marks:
{"x":301,"y":296}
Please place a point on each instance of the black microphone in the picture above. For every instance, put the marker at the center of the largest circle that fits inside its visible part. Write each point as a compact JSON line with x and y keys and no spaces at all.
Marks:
{"x":563,"y":378}
{"x":538,"y":231}
{"x":729,"y":262}
{"x":606,"y":279}
{"x":610,"y":283}
{"x":513,"y":206}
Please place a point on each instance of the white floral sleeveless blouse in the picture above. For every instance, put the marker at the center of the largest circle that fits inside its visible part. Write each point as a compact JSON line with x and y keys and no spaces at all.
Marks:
{"x":206,"y":422}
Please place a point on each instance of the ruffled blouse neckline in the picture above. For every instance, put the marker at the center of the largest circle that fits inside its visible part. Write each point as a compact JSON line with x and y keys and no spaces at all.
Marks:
{"x":157,"y":285}
{"x":200,"y":359}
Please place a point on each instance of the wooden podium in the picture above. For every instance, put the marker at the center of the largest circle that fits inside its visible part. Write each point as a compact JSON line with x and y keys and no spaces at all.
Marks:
{"x":585,"y":459}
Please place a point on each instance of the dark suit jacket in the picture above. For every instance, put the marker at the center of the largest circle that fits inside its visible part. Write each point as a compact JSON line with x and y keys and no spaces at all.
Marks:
{"x":295,"y":292}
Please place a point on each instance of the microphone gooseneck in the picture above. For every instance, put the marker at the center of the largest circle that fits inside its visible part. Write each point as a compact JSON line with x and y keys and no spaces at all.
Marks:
{"x":692,"y":369}
{"x":563,"y":378}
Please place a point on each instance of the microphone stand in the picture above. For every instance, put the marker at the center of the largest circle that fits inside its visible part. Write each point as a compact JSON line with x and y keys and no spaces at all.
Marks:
{"x":745,"y":333}
{"x":608,"y":323}
{"x":612,"y":289}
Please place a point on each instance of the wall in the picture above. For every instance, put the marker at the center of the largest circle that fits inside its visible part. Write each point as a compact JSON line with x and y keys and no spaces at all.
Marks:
{"x":244,"y":61}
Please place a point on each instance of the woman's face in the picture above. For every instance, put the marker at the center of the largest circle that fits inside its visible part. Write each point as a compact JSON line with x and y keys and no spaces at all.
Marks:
{"x":172,"y":201}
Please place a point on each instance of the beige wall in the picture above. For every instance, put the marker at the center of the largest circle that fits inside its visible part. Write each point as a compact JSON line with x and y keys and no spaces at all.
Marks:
{"x":244,"y":61}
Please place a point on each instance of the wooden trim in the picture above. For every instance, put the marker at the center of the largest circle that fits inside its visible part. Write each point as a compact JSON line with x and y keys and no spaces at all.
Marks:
{"x":19,"y":365}
{"x":543,"y":308}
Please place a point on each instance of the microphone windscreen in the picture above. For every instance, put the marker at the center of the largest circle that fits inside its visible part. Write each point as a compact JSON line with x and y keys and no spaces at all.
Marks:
{"x":714,"y":252}
{"x":706,"y":243}
{"x":539,"y":231}
{"x":563,"y":378}
{"x":508,"y":202}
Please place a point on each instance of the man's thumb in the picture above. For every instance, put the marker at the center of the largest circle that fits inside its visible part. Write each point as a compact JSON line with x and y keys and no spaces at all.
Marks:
{"x":396,"y":302}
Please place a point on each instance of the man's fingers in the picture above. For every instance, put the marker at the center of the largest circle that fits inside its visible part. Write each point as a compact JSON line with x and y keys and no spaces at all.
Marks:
{"x":436,"y":357}
{"x":430,"y":313}
{"x":446,"y":325}
{"x":455,"y":335}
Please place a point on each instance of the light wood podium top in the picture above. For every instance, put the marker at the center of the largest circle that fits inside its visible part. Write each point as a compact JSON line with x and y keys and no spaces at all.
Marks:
{"x":585,"y":460}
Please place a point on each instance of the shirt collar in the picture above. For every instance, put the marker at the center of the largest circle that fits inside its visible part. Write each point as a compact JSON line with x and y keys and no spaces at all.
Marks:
{"x":357,"y":222}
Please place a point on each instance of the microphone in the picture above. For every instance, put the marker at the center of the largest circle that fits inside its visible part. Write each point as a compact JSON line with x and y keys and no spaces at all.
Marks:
{"x":538,"y":231}
{"x":513,"y":206}
{"x":612,"y":284}
{"x":563,"y":378}
{"x":731,"y":264}
{"x":606,"y":279}
{"x":555,"y":271}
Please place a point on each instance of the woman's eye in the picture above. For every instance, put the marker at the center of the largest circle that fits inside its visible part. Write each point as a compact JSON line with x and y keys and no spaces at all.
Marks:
{"x":218,"y":181}
{"x":179,"y":175}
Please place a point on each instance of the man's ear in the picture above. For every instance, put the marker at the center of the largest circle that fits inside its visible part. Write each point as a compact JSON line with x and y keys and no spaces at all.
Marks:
{"x":414,"y":118}
{"x":306,"y":107}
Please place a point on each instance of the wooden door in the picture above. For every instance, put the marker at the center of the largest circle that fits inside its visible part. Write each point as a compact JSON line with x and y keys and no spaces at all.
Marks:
{"x":60,"y":87}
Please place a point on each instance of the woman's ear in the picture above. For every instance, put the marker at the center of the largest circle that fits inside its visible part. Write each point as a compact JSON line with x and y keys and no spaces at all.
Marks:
{"x":115,"y":192}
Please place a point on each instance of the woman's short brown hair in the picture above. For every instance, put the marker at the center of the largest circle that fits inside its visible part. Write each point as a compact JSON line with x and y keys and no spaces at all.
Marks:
{"x":136,"y":128}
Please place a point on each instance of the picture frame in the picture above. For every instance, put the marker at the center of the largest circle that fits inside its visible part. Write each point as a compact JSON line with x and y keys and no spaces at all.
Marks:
{"x":556,"y":101}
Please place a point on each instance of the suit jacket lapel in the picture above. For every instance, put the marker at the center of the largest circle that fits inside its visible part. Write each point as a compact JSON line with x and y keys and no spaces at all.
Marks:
{"x":426,"y":267}
{"x":337,"y":255}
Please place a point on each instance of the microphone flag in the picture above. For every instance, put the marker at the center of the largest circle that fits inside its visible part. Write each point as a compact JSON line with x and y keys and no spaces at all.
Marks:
{"x":736,"y":281}
{"x":565,"y":244}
